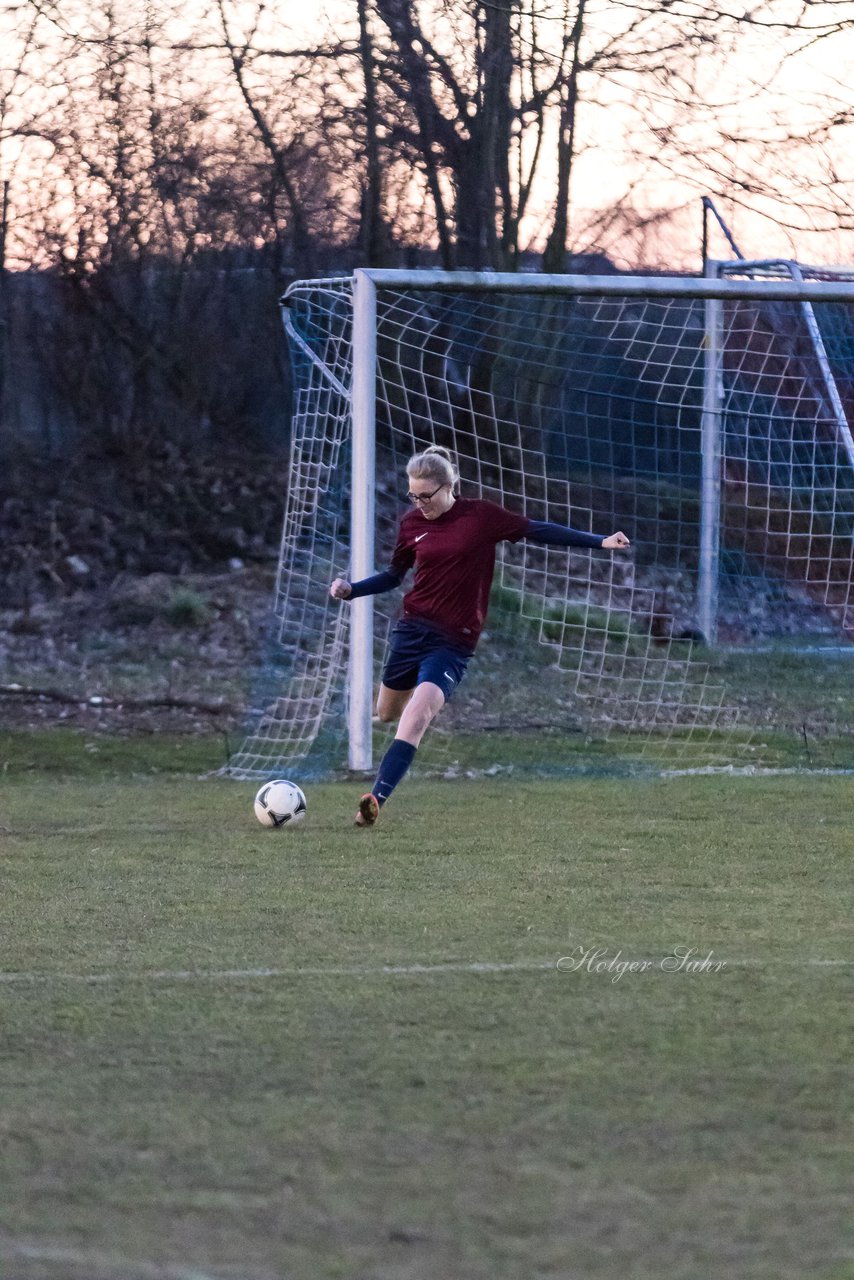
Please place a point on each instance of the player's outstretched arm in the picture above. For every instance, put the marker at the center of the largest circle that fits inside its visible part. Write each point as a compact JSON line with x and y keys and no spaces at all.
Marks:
{"x":561,"y":535}
{"x":341,"y":589}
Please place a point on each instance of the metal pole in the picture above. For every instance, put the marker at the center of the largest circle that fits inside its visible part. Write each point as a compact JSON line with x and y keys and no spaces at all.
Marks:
{"x":363,"y":474}
{"x":619,"y":285}
{"x":710,"y":475}
{"x":710,"y":207}
{"x":837,"y":407}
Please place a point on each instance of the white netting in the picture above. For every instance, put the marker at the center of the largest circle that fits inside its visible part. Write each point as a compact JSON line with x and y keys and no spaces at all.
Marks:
{"x":298,"y":692}
{"x":788,"y":478}
{"x":588,"y":411}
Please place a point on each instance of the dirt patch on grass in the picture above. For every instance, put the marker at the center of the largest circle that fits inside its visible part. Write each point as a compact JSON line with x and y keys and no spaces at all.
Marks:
{"x":160,"y":652}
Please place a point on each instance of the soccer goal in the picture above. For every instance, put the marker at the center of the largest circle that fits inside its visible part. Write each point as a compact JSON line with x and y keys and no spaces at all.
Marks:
{"x":707,"y":417}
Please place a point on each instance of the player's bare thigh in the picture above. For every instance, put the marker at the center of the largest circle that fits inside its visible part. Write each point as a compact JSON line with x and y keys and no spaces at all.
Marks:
{"x":414,"y":708}
{"x":426,"y":703}
{"x":391,"y":702}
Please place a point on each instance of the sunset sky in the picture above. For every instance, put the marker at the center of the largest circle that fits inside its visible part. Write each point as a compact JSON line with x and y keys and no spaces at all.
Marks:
{"x":752,"y":92}
{"x":756,"y":91}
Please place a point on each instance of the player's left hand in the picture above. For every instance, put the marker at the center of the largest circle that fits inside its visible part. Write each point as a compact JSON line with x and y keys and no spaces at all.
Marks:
{"x":616,"y":542}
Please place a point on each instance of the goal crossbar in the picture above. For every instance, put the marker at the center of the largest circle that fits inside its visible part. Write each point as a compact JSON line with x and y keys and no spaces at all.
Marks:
{"x":613,"y":286}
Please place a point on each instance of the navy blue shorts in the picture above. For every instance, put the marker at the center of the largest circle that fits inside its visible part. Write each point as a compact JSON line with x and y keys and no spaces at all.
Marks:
{"x":419,"y":653}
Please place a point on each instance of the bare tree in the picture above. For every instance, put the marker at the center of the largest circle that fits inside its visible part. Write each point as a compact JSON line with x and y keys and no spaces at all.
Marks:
{"x":459,"y":121}
{"x":147,"y":207}
{"x":440,"y":123}
{"x":755,"y":110}
{"x":373,"y":235}
{"x":477,"y":84}
{"x":280,"y":152}
{"x":437,"y":118}
{"x":554,"y":256}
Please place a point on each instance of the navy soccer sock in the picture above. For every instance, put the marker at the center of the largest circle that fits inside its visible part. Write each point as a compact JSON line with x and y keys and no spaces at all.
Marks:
{"x":393,"y":766}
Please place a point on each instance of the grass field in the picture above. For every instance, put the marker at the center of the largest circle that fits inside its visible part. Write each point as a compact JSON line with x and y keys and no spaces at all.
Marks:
{"x":238,"y":1054}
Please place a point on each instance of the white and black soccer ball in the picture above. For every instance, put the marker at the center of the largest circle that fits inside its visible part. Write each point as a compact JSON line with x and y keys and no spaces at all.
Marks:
{"x":280,"y":804}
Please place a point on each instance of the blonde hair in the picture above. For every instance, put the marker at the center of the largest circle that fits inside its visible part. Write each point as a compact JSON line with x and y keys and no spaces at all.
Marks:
{"x":435,"y":464}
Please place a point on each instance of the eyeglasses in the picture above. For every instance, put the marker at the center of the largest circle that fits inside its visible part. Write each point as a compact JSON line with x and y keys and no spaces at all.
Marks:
{"x":420,"y":498}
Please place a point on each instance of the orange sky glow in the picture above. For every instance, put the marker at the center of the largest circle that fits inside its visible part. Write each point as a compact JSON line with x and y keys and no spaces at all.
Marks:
{"x":754,"y":91}
{"x":753,"y":94}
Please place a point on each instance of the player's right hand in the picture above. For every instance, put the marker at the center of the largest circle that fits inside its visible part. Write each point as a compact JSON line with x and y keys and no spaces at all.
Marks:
{"x":340,"y":589}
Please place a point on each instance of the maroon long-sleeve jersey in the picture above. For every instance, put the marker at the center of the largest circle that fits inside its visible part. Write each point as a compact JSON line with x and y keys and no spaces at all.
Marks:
{"x":454,"y":558}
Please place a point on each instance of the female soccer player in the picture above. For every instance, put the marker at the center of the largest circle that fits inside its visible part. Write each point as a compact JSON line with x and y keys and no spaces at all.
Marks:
{"x":451,"y":541}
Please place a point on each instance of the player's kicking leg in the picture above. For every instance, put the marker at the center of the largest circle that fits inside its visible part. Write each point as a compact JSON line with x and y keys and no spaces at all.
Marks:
{"x":416,"y":708}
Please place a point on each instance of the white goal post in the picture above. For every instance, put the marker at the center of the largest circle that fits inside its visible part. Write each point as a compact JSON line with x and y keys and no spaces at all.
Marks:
{"x":716,"y":405}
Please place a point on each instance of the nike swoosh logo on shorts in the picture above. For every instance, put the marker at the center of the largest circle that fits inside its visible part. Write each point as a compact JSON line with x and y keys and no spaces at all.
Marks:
{"x":421,"y":535}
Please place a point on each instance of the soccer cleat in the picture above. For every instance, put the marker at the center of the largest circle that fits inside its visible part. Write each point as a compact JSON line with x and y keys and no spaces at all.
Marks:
{"x":368,"y":811}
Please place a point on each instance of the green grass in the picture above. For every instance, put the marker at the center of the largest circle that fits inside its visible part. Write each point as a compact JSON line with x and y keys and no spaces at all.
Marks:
{"x":74,"y":753}
{"x":64,"y":752}
{"x":412,"y":1126}
{"x":794,"y":687}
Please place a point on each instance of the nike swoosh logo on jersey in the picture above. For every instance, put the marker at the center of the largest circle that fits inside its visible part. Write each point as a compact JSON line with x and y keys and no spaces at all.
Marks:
{"x":421,"y":535}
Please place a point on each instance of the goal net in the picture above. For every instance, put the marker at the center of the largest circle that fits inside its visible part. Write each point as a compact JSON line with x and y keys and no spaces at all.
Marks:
{"x":709,"y":419}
